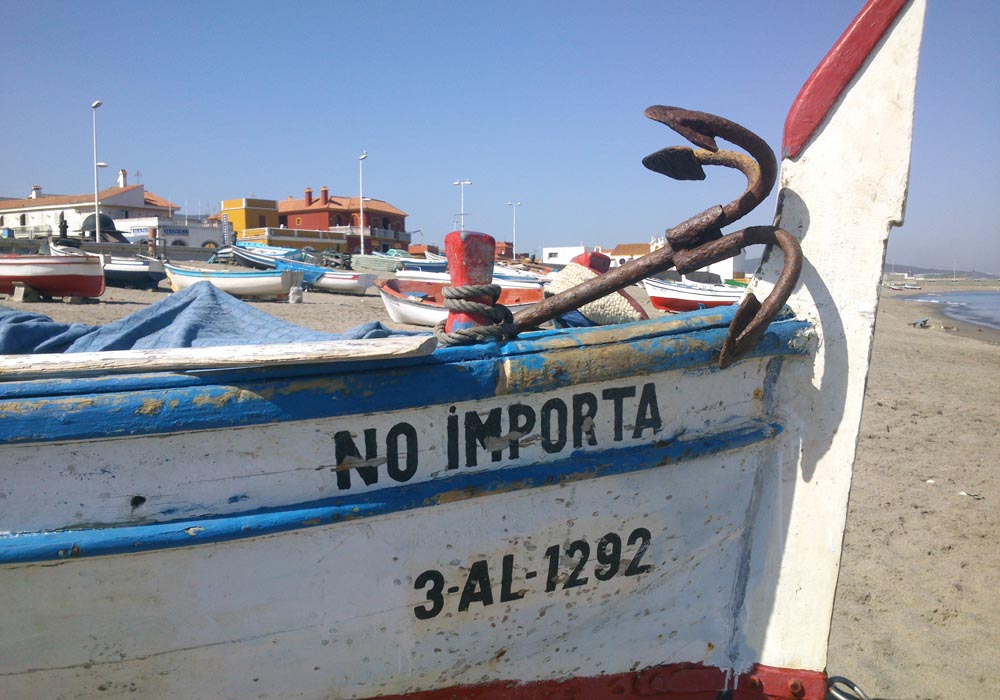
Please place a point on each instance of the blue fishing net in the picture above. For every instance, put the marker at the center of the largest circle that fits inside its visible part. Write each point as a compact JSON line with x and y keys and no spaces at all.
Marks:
{"x":197,"y":317}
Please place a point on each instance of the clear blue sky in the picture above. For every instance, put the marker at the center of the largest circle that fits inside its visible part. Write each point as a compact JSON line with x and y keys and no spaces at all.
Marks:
{"x":534,"y":102}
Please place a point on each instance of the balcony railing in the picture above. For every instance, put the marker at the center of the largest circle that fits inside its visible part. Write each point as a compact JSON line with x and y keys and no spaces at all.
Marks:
{"x":36,"y":231}
{"x":383,"y":234}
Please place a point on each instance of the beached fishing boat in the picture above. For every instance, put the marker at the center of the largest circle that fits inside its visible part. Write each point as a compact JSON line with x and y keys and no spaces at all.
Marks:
{"x":422,"y":303}
{"x":676,"y":297}
{"x":513,"y":282}
{"x":53,"y":275}
{"x":240,"y":283}
{"x":315,"y":276}
{"x":325,"y":279}
{"x":652,"y":509}
{"x":137,"y":271}
{"x":376,"y":263}
{"x":424,"y":264}
{"x":258,"y":258}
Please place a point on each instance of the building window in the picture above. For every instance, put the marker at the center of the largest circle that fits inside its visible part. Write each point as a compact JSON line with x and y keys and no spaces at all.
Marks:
{"x":262,"y":221}
{"x":22,"y":220}
{"x":338,"y":221}
{"x":298,"y":220}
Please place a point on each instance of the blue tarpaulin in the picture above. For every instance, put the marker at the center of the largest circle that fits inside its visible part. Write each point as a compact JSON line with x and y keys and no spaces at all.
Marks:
{"x":200,"y":316}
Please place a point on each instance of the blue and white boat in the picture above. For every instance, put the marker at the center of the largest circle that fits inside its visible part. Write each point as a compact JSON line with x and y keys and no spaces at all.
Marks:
{"x":409,"y":262}
{"x":325,"y":279}
{"x":240,"y":283}
{"x":650,"y":509}
{"x":259,"y":257}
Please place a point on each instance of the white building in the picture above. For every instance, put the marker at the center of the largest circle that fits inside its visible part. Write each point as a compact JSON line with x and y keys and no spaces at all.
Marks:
{"x":174,"y":232}
{"x":730,"y":268}
{"x":41,"y":214}
{"x":560,"y":257}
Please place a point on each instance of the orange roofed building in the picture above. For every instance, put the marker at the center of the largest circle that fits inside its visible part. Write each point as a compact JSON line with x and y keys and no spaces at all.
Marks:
{"x":384,"y":225}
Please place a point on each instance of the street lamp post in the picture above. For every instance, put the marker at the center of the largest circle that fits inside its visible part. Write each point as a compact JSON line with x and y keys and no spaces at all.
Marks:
{"x":97,"y":207}
{"x":462,"y":184}
{"x":361,"y":197}
{"x":513,"y":252}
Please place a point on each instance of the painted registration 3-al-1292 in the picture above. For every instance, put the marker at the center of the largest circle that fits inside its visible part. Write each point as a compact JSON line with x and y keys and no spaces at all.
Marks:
{"x":579,"y":563}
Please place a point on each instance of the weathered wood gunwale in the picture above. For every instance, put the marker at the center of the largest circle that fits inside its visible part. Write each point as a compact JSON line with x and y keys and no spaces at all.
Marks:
{"x":148,"y":404}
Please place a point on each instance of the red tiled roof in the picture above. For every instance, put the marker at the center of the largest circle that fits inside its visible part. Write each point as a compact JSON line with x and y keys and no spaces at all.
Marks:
{"x":634,"y":249}
{"x":68,"y":199}
{"x":338,"y":203}
{"x":155,"y":200}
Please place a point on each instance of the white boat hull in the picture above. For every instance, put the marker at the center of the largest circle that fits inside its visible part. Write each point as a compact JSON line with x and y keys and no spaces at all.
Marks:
{"x":353,"y":609}
{"x":345,"y":282}
{"x":53,"y":275}
{"x":120,"y":270}
{"x":445,"y":278}
{"x":261,"y":283}
{"x":678,"y":297}
{"x":412,"y":311}
{"x":418,"y":310}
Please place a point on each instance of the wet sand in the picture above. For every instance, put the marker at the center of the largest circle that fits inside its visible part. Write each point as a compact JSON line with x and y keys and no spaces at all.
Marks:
{"x":917,"y":614}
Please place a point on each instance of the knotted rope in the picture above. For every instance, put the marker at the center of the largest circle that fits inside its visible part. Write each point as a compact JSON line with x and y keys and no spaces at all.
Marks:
{"x":460,"y":299}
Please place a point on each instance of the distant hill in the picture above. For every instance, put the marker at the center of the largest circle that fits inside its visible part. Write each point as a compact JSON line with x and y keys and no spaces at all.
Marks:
{"x":934,"y":272}
{"x":898,"y":269}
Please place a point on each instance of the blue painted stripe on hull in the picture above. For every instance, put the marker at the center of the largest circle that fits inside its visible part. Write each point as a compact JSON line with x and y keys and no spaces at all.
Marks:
{"x":238,"y":399}
{"x":21,"y":548}
{"x":217,"y":274}
{"x":530,"y":342}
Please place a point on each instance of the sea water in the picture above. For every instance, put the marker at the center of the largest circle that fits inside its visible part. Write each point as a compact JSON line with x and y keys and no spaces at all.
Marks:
{"x":981,"y":308}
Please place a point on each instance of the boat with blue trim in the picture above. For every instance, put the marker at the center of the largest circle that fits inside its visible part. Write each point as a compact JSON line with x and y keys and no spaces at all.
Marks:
{"x":241,"y":283}
{"x":644,"y":509}
{"x":138,"y":271}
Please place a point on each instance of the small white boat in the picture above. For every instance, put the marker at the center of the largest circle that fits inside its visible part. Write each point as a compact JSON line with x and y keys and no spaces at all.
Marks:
{"x":676,"y":297}
{"x":421,"y":303}
{"x":53,"y":275}
{"x":445,"y":278}
{"x":242,"y":283}
{"x":120,"y":271}
{"x":259,"y":256}
{"x":326,"y":280}
{"x":424,"y":264}
{"x":376,"y":263}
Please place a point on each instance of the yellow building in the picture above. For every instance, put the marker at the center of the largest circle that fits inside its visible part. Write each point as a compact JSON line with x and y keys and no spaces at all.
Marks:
{"x":249,"y":213}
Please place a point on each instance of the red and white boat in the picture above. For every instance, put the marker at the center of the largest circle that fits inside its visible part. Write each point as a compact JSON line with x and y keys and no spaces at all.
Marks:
{"x":421,"y":303}
{"x":676,"y":297}
{"x":53,"y":275}
{"x":652,"y":509}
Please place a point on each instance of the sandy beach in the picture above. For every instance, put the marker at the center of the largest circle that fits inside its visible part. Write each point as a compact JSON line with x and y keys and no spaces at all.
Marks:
{"x":917,"y":613}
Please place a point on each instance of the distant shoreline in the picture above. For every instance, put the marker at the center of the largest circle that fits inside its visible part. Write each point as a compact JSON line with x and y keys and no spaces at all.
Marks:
{"x":938,"y":319}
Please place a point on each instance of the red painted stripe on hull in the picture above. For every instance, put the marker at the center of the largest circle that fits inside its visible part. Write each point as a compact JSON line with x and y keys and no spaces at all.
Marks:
{"x":681,"y":305}
{"x":679,"y":681}
{"x":824,"y":87}
{"x":58,"y":285}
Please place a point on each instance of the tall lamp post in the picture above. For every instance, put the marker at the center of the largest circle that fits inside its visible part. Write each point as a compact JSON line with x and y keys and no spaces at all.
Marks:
{"x":97,"y":207}
{"x":462,"y":184}
{"x":513,"y":252}
{"x":361,"y":197}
